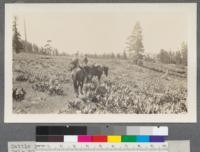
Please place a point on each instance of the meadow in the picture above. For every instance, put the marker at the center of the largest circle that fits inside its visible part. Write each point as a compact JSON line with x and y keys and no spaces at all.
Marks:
{"x":129,"y":88}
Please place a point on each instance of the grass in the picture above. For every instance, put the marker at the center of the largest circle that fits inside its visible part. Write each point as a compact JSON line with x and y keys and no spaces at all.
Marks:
{"x":128,"y":88}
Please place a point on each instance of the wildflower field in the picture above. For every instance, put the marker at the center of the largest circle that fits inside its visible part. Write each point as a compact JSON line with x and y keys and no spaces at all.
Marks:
{"x":128,"y":88}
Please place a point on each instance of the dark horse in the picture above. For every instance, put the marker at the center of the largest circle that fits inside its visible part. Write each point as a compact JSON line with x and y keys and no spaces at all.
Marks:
{"x":79,"y":75}
{"x":98,"y":71}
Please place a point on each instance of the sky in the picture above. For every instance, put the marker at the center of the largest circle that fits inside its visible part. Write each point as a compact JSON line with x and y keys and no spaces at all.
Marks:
{"x":103,"y":32}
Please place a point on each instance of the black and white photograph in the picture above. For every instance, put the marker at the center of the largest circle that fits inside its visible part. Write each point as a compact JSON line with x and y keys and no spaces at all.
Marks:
{"x":100,"y":62}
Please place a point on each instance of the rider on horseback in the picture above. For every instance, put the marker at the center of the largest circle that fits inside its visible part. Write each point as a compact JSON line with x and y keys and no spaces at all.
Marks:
{"x":75,"y":62}
{"x":85,"y":60}
{"x":80,"y":73}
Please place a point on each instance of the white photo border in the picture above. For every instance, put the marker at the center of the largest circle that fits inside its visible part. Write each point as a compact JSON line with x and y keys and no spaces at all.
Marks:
{"x":190,"y":117}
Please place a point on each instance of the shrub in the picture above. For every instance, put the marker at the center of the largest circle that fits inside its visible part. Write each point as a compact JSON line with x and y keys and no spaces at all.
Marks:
{"x":22,"y":77}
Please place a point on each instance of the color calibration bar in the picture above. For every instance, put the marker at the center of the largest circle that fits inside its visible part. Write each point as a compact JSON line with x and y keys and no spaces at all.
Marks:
{"x":102,"y":130}
{"x":96,"y":138}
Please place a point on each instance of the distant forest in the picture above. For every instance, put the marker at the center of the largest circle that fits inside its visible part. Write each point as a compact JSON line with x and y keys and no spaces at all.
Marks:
{"x":134,"y":50}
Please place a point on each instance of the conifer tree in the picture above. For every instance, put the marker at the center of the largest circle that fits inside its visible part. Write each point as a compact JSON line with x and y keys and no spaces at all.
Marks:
{"x":16,"y":42}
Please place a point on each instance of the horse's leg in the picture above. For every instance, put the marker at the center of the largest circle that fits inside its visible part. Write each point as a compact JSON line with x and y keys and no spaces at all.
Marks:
{"x":86,"y":79}
{"x":78,"y":85}
{"x":81,"y":86}
{"x":76,"y":88}
{"x":99,"y":78}
{"x":89,"y":78}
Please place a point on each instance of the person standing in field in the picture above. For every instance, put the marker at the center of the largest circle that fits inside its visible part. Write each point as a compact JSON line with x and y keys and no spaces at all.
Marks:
{"x":86,"y":67}
{"x":85,"y":60}
{"x":75,"y":61}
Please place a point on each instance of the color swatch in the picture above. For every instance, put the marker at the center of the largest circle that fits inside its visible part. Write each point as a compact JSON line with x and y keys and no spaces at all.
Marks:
{"x":113,"y":138}
{"x":102,"y":130}
{"x":128,"y":138}
{"x":95,"y":138}
{"x":85,"y":138}
{"x":99,"y":138}
{"x":113,"y":134}
{"x":61,"y":130}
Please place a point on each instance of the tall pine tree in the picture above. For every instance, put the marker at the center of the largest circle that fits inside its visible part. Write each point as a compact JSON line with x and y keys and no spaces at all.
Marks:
{"x":135,"y":45}
{"x":16,"y":42}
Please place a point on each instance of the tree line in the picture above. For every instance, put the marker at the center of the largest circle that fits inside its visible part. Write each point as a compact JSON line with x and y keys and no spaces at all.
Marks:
{"x":175,"y":57}
{"x":111,"y":55}
{"x":136,"y":50}
{"x":20,"y":45}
